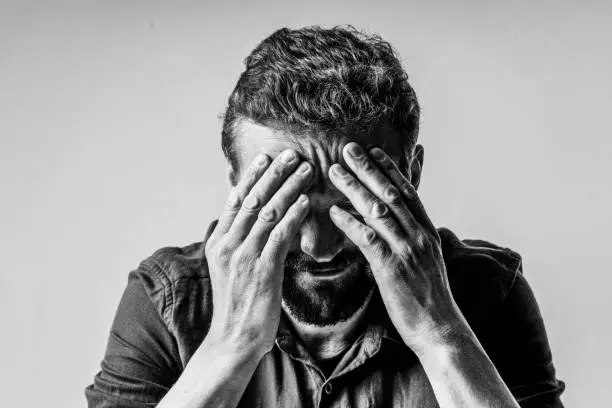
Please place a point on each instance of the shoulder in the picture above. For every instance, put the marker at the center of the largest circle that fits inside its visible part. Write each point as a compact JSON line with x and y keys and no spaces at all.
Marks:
{"x":480,"y":273}
{"x":177,"y":281}
{"x":167,"y":267}
{"x":168,"y":270}
{"x":488,"y":285}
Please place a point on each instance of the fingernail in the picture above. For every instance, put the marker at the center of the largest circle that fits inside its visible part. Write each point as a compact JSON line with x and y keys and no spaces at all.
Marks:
{"x":334,"y":210}
{"x":377,"y":153}
{"x":261,"y":160}
{"x":287,"y":156}
{"x":355,"y":150}
{"x":338,"y":170}
{"x":303,"y":199}
{"x":304,"y":168}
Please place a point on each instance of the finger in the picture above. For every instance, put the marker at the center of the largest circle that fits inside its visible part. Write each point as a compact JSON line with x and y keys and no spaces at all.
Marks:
{"x":264,"y":188}
{"x":364,"y":237}
{"x":238,"y":193}
{"x":374,"y":212}
{"x":370,"y":175}
{"x":282,"y":235}
{"x":275,"y":209}
{"x":405,"y":187}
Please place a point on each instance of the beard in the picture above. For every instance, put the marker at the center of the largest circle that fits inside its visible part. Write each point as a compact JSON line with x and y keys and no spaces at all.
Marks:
{"x":324,"y":302}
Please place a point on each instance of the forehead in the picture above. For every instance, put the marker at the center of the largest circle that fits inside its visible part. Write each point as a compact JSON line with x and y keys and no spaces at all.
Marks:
{"x":320,"y":149}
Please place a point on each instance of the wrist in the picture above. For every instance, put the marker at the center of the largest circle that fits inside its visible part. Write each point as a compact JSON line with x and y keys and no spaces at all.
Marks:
{"x":234,"y":347}
{"x":445,"y":342}
{"x":449,"y":334}
{"x":216,"y":375}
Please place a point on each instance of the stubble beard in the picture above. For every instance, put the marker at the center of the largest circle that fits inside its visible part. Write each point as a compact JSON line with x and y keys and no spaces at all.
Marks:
{"x":325,"y":302}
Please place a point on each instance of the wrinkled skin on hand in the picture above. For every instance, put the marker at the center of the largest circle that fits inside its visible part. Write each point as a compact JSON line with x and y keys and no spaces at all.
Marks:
{"x":246,"y":251}
{"x":400,"y":243}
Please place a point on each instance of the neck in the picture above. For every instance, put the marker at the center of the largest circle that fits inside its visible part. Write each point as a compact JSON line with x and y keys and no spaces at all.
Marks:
{"x":328,"y":341}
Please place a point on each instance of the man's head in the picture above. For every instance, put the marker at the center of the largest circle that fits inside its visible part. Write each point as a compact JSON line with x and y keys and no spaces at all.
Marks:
{"x":314,"y":90}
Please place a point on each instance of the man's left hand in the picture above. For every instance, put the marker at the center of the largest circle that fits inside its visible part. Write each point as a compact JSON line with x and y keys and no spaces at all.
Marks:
{"x":401,"y":245}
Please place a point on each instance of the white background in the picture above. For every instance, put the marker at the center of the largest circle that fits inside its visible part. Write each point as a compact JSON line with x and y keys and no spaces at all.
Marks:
{"x":111,"y":149}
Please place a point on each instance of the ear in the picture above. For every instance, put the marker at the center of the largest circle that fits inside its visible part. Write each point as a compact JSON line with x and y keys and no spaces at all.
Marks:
{"x":416,"y":166}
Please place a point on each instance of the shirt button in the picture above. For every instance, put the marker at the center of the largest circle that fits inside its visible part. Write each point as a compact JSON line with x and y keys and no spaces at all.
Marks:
{"x":328,"y":388}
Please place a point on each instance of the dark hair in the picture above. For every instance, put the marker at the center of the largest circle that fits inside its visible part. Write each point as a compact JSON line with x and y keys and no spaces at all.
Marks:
{"x":323,"y":81}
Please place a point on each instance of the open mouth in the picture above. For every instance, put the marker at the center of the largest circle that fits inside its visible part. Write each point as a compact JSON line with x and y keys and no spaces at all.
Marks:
{"x":345,"y":262}
{"x":331,"y":271}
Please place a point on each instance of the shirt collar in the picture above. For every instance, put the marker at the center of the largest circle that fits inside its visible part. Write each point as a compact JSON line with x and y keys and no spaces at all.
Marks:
{"x":378,"y":329}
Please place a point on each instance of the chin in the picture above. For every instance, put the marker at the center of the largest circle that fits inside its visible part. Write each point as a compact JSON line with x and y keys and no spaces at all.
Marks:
{"x":326,"y":296}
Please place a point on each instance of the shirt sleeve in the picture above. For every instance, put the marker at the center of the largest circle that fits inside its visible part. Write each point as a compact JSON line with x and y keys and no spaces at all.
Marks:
{"x":519,"y":348}
{"x":141,"y":361}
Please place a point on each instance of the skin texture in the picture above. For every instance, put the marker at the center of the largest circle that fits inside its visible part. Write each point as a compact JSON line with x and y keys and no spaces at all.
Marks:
{"x":264,"y":221}
{"x":399,"y":242}
{"x":312,"y":302}
{"x":403,"y":249}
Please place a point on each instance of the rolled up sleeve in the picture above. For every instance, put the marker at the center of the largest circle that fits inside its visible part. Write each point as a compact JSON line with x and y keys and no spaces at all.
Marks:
{"x":140,"y":363}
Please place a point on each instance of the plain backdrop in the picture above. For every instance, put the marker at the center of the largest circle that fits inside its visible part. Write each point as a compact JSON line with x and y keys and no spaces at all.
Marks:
{"x":110,"y":149}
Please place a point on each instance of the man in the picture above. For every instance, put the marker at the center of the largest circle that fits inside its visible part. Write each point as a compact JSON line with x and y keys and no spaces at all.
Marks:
{"x":323,"y":282}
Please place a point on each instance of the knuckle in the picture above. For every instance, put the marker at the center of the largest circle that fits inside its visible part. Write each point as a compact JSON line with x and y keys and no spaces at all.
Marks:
{"x":405,"y":249}
{"x":369,"y":236}
{"x":278,"y":235}
{"x":251,"y":202}
{"x":234,"y":200}
{"x":208,"y":249}
{"x":224,"y":253}
{"x":378,"y":209}
{"x":219,"y":252}
{"x":242,"y":256}
{"x":424,"y":241}
{"x":407,"y":189}
{"x":268,"y":214}
{"x":420,"y":238}
{"x":391,"y":194}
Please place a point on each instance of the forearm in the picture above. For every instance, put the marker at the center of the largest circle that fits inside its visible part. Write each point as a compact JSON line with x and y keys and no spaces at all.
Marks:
{"x":462,"y":375}
{"x":216,"y":376}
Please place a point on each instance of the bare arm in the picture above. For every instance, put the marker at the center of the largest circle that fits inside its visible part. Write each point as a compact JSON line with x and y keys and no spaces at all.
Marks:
{"x":246,"y":255}
{"x":462,"y":375}
{"x":403,"y":249}
{"x":216,"y":376}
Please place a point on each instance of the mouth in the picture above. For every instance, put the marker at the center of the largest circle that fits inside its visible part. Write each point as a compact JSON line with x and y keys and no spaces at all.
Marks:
{"x":331,"y":272}
{"x":343,"y":263}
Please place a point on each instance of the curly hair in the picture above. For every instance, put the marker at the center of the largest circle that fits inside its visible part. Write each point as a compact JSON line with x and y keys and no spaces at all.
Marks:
{"x":323,"y":81}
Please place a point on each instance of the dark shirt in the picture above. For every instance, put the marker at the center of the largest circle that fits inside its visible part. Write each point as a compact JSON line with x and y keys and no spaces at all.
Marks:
{"x":166,"y":309}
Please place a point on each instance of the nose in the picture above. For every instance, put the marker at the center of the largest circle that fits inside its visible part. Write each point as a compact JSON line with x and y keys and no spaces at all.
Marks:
{"x":320,"y":238}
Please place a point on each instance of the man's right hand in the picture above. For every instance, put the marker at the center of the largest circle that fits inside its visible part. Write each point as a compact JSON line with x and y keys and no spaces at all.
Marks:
{"x":246,"y":251}
{"x":246,"y":255}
